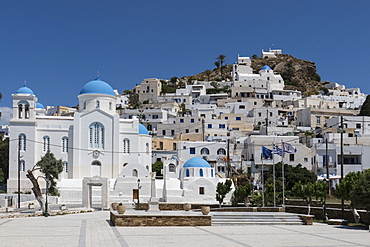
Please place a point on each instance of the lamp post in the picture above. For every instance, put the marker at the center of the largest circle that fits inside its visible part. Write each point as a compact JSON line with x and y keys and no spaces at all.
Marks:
{"x":325,"y":190}
{"x":138,"y":194}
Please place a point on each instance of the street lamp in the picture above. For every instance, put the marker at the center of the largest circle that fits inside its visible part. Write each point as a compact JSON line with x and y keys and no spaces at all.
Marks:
{"x":325,"y":191}
{"x":138,"y":194}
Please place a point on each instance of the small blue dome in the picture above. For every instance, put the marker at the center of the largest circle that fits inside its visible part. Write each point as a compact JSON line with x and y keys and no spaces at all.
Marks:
{"x":39,"y":105}
{"x":25,"y":89}
{"x":143,"y":130}
{"x":266,"y":67}
{"x":197,"y":162}
{"x":97,"y":86}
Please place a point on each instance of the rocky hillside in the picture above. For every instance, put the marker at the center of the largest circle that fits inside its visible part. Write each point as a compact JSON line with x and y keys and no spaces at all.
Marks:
{"x":298,"y":74}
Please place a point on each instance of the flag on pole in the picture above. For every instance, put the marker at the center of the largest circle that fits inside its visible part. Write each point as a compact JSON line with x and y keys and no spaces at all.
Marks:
{"x":288,"y":148}
{"x":278,"y":151}
{"x":266,"y":153}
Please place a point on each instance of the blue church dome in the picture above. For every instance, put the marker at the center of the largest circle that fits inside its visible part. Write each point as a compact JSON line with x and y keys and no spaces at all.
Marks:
{"x":143,"y":130}
{"x":25,"y":89}
{"x":97,"y":86}
{"x":266,"y":67}
{"x":39,"y":105}
{"x":197,"y":162}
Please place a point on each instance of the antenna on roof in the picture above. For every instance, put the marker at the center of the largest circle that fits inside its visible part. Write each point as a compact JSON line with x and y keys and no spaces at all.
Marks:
{"x":25,"y":83}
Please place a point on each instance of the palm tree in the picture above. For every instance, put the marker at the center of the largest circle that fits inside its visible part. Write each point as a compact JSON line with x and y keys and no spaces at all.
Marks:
{"x":217,"y":64}
{"x":221,"y":59}
{"x":207,"y":73}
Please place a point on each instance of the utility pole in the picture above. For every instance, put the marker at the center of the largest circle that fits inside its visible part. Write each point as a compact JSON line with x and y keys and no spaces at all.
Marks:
{"x":228,"y":158}
{"x":19,"y":171}
{"x":267,"y":121}
{"x":203,"y":139}
{"x":327,"y":175}
{"x":341,"y":159}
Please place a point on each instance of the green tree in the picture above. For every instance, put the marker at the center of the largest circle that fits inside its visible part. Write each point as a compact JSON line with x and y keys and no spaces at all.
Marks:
{"x":309,"y":191}
{"x":356,"y":188}
{"x":174,"y":80}
{"x":50,"y":168}
{"x":4,"y":159}
{"x":217,"y":64}
{"x":221,"y":59}
{"x":222,"y":189}
{"x":254,"y":56}
{"x":157,"y":168}
{"x":365,"y":108}
{"x":133,"y":101}
{"x":208,"y":73}
{"x":241,"y":194}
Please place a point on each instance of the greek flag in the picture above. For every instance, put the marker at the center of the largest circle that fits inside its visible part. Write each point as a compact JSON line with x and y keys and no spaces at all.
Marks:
{"x":266,"y":153}
{"x":278,"y":151}
{"x":288,"y":148}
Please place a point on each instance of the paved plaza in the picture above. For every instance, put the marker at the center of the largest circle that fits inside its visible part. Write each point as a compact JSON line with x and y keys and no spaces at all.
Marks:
{"x":94,"y":229}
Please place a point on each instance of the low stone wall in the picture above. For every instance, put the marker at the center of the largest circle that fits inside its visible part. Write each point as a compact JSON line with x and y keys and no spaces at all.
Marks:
{"x":173,"y":206}
{"x":248,"y":209}
{"x":159,"y":220}
{"x":332,"y":213}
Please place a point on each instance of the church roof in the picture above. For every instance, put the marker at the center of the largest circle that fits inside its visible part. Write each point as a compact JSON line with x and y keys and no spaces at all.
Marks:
{"x":39,"y":105}
{"x":143,"y":130}
{"x":197,"y":162}
{"x":26,"y":90}
{"x":97,"y":86}
{"x":266,"y":67}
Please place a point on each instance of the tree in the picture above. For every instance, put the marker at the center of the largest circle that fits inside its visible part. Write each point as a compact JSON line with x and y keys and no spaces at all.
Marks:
{"x":222,"y":189}
{"x":50,"y":167}
{"x":356,"y":188}
{"x":221,"y":60}
{"x":208,"y":73}
{"x":133,"y":101}
{"x":365,"y":108}
{"x":308,"y":191}
{"x":241,"y":194}
{"x":217,"y":64}
{"x":254,"y":56}
{"x":157,"y":168}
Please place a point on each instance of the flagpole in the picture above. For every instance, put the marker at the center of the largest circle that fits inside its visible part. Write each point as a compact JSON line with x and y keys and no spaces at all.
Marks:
{"x":273,"y":172}
{"x":282,"y":174}
{"x":263,"y":185}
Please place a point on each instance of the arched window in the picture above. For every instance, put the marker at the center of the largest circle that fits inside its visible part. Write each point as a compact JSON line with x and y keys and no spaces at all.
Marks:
{"x":20,"y":110}
{"x":22,"y":166}
{"x":204,"y":151}
{"x":23,"y":109}
{"x":65,"y":144}
{"x":147,"y":148}
{"x":22,"y":142}
{"x":65,"y":166}
{"x":201,"y":172}
{"x":135,"y":173}
{"x":126,"y":146}
{"x":187,"y":173}
{"x":97,"y":104}
{"x":171,"y":168}
{"x":96,"y":135}
{"x":110,"y":106}
{"x":211,"y":173}
{"x":84,"y":104}
{"x":46,"y":146}
{"x":221,"y":151}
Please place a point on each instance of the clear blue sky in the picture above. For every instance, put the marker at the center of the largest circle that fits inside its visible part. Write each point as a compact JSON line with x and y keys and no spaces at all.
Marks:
{"x":57,"y":46}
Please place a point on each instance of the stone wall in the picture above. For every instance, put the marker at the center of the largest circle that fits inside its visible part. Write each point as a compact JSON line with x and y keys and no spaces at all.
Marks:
{"x":174,"y":206}
{"x":333,"y":213}
{"x":160,"y":220}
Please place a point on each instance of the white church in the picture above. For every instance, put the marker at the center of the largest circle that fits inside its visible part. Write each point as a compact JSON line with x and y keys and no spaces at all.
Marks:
{"x":95,"y":142}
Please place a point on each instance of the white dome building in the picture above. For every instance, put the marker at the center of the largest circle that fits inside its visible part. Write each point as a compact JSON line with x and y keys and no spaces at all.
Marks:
{"x":92,"y":142}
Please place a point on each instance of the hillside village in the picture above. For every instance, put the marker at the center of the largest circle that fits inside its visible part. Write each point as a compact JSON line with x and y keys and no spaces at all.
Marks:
{"x":230,"y":128}
{"x":225,"y":121}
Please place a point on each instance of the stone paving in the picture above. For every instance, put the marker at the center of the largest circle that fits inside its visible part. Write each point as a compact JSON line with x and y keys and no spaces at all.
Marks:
{"x":94,"y":229}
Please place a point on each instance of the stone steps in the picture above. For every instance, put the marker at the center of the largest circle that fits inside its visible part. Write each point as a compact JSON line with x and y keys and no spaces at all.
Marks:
{"x":256,"y":219}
